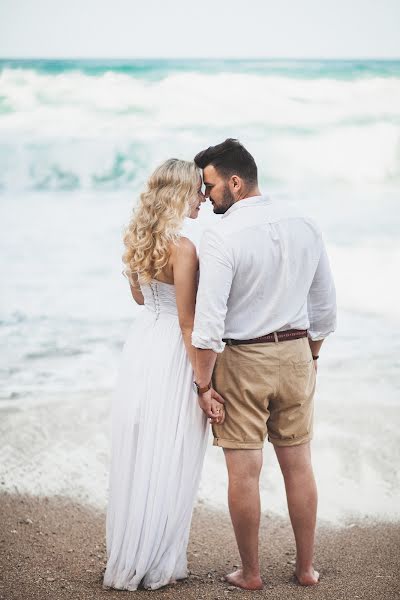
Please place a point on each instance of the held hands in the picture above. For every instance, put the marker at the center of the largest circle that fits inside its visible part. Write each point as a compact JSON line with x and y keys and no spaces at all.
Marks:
{"x":219,"y":410}
{"x":212,"y":404}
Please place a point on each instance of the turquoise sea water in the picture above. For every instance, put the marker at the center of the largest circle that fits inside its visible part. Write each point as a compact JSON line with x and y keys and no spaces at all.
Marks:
{"x":79,"y":137}
{"x":77,"y":142}
{"x":100,"y":124}
{"x":157,"y":68}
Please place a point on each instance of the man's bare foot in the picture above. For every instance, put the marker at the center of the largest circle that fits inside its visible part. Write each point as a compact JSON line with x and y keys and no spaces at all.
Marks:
{"x":310,"y":577}
{"x":246,"y":583}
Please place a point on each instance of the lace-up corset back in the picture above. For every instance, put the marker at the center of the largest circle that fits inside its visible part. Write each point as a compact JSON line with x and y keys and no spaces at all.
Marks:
{"x":160,"y":297}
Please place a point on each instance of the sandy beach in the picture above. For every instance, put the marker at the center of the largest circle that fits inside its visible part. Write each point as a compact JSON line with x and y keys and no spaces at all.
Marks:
{"x":53,"y":548}
{"x":54,"y":458}
{"x":79,"y":138}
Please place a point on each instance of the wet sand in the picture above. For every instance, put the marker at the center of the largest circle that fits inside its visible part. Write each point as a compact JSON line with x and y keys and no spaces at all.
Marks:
{"x":54,"y":548}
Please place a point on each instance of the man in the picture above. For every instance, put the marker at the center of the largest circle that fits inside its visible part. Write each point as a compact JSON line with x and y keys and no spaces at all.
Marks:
{"x":265,"y":303}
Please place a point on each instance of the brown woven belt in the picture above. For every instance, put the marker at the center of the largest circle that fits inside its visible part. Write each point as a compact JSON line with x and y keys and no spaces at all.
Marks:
{"x":277,"y":336}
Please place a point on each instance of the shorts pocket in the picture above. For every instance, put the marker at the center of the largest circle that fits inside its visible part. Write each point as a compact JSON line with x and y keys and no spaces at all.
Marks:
{"x":302,"y":363}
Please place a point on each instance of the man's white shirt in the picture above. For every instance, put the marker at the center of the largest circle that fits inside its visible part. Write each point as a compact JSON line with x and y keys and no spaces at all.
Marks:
{"x":263,"y":268}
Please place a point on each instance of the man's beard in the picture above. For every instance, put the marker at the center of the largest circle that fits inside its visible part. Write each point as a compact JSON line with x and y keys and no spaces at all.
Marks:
{"x":227,"y":201}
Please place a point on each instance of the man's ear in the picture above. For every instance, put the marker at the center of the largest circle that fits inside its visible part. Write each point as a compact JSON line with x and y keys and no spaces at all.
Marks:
{"x":236,"y":184}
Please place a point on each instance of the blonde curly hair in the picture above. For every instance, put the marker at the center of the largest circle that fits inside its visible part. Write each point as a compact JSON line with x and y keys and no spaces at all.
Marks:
{"x":158,"y":218}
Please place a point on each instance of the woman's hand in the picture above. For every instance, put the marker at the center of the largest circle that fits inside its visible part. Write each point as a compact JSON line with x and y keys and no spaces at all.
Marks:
{"x":210,"y":402}
{"x":219,"y":410}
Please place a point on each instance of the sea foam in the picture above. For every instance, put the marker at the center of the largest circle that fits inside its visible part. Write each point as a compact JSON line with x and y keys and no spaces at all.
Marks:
{"x":71,"y":130}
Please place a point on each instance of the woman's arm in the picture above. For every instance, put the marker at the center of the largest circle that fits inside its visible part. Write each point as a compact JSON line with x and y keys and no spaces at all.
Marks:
{"x":135,"y":290}
{"x":185,"y":264}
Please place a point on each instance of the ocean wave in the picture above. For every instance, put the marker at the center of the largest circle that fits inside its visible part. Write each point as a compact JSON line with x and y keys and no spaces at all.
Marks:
{"x":71,"y":130}
{"x":350,"y":155}
{"x":189,"y":97}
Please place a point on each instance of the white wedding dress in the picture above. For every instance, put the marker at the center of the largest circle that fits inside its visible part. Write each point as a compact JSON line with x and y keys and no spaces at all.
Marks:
{"x":159,"y":437}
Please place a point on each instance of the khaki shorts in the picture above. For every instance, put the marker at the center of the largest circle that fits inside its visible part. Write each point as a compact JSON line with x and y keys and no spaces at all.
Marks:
{"x":268,"y":390}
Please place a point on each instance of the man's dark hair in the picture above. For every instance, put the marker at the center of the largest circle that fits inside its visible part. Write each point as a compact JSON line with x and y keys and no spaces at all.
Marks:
{"x":229,"y":158}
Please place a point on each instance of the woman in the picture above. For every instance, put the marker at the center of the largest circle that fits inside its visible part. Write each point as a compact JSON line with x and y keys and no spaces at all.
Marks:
{"x":159,"y":433}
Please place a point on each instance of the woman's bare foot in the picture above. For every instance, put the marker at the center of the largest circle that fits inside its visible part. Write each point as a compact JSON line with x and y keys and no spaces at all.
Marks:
{"x":246,"y":583}
{"x":310,"y":577}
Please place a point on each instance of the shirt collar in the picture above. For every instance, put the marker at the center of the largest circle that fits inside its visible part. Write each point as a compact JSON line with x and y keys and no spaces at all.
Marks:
{"x":245,"y":203}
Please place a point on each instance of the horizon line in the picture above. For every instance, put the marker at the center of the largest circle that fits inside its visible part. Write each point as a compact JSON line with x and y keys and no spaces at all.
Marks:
{"x":176,"y":58}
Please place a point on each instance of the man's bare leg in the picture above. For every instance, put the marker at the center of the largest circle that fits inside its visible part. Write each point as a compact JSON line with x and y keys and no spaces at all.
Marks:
{"x":302,"y":499}
{"x":244,"y":468}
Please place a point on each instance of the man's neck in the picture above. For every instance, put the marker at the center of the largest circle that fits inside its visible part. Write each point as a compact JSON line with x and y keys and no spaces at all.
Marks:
{"x":249,"y":194}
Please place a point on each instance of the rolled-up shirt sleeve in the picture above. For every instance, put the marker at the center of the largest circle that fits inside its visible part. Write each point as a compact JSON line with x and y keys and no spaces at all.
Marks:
{"x":321,"y":300}
{"x":216,"y":273}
